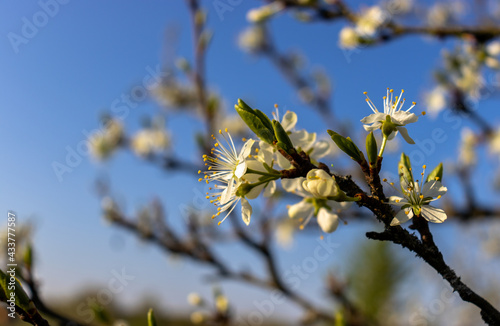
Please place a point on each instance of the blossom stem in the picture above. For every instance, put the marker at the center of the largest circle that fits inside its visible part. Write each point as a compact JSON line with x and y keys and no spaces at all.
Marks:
{"x":382,"y":148}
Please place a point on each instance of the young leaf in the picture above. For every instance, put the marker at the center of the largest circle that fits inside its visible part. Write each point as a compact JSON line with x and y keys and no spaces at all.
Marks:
{"x":371,"y":148}
{"x":346,"y":145}
{"x":436,"y":173}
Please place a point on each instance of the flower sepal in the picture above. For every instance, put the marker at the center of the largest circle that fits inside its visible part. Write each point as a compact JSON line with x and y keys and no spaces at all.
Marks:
{"x":347,"y":146}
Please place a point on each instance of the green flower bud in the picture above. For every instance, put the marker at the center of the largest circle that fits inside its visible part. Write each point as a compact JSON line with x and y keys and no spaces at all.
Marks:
{"x":28,"y":256}
{"x":388,"y":127}
{"x":257,"y":121}
{"x":347,"y":146}
{"x":436,"y":174}
{"x":371,"y":148}
{"x":151,"y":318}
{"x":404,"y":169}
{"x":284,"y":141}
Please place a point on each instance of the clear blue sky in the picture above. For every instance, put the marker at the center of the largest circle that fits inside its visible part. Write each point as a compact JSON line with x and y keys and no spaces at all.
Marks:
{"x":89,"y":53}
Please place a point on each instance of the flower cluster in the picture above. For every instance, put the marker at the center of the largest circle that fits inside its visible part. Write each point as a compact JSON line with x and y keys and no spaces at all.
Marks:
{"x":240,"y":173}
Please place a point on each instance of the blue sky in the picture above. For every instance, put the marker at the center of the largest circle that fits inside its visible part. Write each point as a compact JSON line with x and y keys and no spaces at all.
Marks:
{"x":90,"y":53}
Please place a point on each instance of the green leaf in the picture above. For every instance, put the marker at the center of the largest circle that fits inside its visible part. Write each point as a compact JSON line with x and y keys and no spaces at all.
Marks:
{"x":371,"y":148}
{"x":257,"y":121}
{"x":404,"y":169}
{"x":347,"y":146}
{"x":28,"y":255}
{"x":284,"y":141}
{"x":151,"y":318}
{"x":436,"y":173}
{"x":9,"y":283}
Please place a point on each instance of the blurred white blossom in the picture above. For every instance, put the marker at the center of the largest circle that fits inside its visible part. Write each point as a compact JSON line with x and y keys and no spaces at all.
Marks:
{"x":104,"y":142}
{"x":467,"y":148}
{"x":252,"y":39}
{"x":436,"y":100}
{"x":150,"y":141}
{"x":263,"y":13}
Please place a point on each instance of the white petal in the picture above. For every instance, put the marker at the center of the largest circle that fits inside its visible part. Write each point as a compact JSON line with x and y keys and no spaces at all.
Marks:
{"x":374,"y":117}
{"x":433,"y":189}
{"x":403,"y":117}
{"x":227,"y":193}
{"x":241,"y":169}
{"x":255,"y":192}
{"x":402,"y":216}
{"x":270,"y":189}
{"x":405,"y":135}
{"x":246,"y":149}
{"x":292,"y":184}
{"x":327,"y":221}
{"x":374,"y":126}
{"x":246,"y":211}
{"x":321,"y":149}
{"x":265,"y":153}
{"x":397,"y":201}
{"x":301,"y":210}
{"x":289,"y":120}
{"x":303,"y":139}
{"x":433,"y":214}
{"x":283,"y":162}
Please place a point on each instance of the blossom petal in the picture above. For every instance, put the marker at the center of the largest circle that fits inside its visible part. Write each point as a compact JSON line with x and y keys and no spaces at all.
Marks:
{"x":397,"y":201}
{"x":402,"y":216}
{"x":433,"y":189}
{"x":403,"y":117}
{"x":265,"y":153}
{"x":328,"y":222}
{"x":241,"y":169}
{"x":301,"y":210}
{"x":255,"y":192}
{"x":405,"y":135}
{"x":228,"y":192}
{"x":373,"y":127}
{"x":433,"y":214}
{"x":246,"y":149}
{"x":292,"y":184}
{"x":322,"y":148}
{"x":374,"y":117}
{"x":270,"y":189}
{"x":246,"y":211}
{"x":283,"y":162}
{"x":289,"y":120}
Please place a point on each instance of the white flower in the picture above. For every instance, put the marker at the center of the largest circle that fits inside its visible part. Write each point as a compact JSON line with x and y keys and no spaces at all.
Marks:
{"x":416,"y":199}
{"x":370,"y":20}
{"x":194,"y":299}
{"x":436,"y":100}
{"x":227,"y":166}
{"x":252,"y":39}
{"x":467,"y":148}
{"x":148,"y":141}
{"x":320,"y":184}
{"x":105,"y":141}
{"x":392,"y":114}
{"x":348,"y":38}
{"x":263,"y":13}
{"x":310,"y":206}
{"x":494,"y":143}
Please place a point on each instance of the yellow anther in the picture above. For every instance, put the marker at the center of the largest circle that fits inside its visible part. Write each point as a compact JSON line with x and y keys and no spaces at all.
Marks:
{"x":402,"y":91}
{"x":414,"y":103}
{"x":398,"y":200}
{"x":213,"y":216}
{"x":385,"y":97}
{"x":439,"y":196}
{"x":225,"y":130}
{"x":276,"y":106}
{"x":218,"y":213}
{"x":384,"y":179}
{"x":256,"y":150}
{"x":249,"y":155}
{"x":365,"y":93}
{"x":209,"y":168}
{"x":219,"y":222}
{"x":424,"y":113}
{"x":206,"y":176}
{"x":218,"y":209}
{"x":199,"y":180}
{"x":243,"y":139}
{"x":391,"y":90}
{"x":421,"y":196}
{"x":207,"y":197}
{"x":301,"y":227}
{"x":424,"y":166}
{"x":321,"y":237}
{"x":392,"y":183}
{"x":199,"y":171}
{"x":220,"y":131}
{"x":206,"y":181}
{"x":216,"y":144}
{"x":436,"y":178}
{"x":367,"y":100}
